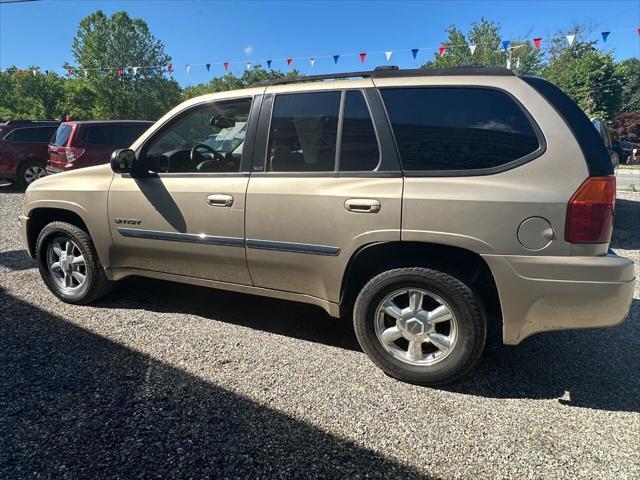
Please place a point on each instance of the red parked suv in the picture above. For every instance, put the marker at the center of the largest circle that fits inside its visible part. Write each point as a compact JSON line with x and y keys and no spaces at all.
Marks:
{"x":88,"y":143}
{"x":23,"y":149}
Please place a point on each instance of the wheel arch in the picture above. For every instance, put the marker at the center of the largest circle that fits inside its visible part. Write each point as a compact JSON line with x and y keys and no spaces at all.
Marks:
{"x":40,"y":217}
{"x":374,"y":258}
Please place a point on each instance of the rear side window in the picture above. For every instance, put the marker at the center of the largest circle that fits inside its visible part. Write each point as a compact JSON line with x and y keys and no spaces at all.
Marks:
{"x":62,"y":135}
{"x":440,"y":129}
{"x":32,"y":135}
{"x":118,"y":135}
{"x":303,"y":132}
{"x":359,"y":148}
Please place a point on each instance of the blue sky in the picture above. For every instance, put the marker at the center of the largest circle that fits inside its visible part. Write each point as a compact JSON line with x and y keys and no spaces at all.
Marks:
{"x":195,"y":32}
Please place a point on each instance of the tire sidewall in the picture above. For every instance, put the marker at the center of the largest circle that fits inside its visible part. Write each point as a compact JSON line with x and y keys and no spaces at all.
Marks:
{"x":48,"y":234}
{"x":471,"y":329}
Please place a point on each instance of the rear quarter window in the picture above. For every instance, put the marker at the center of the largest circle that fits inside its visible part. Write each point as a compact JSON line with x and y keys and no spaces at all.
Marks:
{"x":458,"y":129}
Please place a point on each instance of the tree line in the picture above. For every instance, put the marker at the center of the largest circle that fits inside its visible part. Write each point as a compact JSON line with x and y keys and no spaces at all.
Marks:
{"x":593,"y":78}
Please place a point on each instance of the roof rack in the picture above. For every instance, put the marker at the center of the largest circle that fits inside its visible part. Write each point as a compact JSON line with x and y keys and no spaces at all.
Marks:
{"x":392,"y":71}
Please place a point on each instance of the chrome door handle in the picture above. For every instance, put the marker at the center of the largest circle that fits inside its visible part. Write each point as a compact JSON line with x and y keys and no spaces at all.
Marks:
{"x":362,"y":205}
{"x":220,"y":200}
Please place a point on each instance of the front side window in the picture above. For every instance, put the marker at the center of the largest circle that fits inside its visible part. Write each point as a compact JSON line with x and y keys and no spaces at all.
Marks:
{"x":206,"y":139}
{"x":466,"y":128}
{"x":303,"y":132}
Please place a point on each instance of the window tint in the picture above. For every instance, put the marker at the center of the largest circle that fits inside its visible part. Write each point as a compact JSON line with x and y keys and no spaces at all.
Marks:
{"x":304,"y":128}
{"x":116,"y":135}
{"x":359,"y":149}
{"x":457,"y":128}
{"x":62,"y":135}
{"x":217,"y":130}
{"x":32,"y":135}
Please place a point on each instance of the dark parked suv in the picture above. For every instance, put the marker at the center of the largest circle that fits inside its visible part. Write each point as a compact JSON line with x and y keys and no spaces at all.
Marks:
{"x":23,"y":149}
{"x":89,"y":143}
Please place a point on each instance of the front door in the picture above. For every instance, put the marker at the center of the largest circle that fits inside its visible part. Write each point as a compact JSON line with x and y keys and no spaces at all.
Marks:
{"x":325,"y":182}
{"x":187,"y":216}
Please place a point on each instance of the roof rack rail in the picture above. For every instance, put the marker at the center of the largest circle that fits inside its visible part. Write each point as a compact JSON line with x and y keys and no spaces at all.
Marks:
{"x":391,"y":71}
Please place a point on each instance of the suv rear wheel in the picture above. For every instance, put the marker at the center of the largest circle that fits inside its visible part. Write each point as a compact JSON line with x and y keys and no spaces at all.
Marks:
{"x":29,"y":171}
{"x":420,"y":325}
{"x":69,"y":265}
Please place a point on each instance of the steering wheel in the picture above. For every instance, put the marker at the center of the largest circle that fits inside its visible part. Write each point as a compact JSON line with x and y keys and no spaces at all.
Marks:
{"x":217,"y":156}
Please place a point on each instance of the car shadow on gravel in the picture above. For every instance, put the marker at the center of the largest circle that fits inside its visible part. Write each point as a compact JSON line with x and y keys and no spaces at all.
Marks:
{"x":10,"y":188}
{"x":593,"y":368}
{"x":76,"y":405}
{"x":597,"y":369}
{"x":17,"y":260}
{"x":627,"y":222}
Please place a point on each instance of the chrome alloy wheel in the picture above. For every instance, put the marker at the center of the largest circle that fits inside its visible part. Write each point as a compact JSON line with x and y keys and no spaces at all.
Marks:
{"x":416,"y":326}
{"x":66,"y":264}
{"x":33,"y":173}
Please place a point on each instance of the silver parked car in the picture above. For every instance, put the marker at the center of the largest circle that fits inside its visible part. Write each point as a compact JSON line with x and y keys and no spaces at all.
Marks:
{"x":415,"y":201}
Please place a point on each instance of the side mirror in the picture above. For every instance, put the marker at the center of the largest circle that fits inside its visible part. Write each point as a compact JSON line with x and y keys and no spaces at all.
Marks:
{"x":122,"y":160}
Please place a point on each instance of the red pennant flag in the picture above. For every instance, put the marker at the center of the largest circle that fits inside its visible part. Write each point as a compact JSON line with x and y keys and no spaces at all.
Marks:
{"x":119,"y":71}
{"x":170,"y":68}
{"x":442,"y":49}
{"x":21,"y":72}
{"x":638,"y":29}
{"x":363,"y":55}
{"x":226,"y":66}
{"x":69,"y":71}
{"x":289,"y":61}
{"x":536,"y":42}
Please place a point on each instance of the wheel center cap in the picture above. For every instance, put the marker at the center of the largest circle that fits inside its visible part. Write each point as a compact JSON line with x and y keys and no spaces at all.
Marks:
{"x":66,"y":262}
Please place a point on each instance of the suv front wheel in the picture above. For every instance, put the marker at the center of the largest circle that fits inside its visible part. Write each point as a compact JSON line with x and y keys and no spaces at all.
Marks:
{"x":420,"y":325}
{"x":69,"y":264}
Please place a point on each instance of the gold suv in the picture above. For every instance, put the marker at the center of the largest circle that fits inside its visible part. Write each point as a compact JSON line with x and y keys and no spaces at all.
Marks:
{"x":414,"y":200}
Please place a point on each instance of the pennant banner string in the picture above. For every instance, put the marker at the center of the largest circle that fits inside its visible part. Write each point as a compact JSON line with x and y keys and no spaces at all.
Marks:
{"x":441,"y":51}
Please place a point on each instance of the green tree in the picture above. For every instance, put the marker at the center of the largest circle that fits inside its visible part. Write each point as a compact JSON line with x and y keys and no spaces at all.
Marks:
{"x":119,"y":42}
{"x":226,"y":82}
{"x":629,"y":72}
{"x":485,"y":35}
{"x":589,"y":77}
{"x":44,"y":91}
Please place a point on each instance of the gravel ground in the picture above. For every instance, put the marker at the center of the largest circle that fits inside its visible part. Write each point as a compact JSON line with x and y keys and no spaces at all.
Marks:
{"x":165,"y":380}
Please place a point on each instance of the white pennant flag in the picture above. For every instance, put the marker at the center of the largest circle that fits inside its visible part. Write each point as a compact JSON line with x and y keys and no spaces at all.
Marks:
{"x":509,"y":63}
{"x":472,"y":48}
{"x":35,"y":72}
{"x":388,"y":55}
{"x":85,"y":73}
{"x":570,"y":39}
{"x":188,"y":68}
{"x":248,"y":65}
{"x":135,"y":70}
{"x":312,"y":61}
{"x":518,"y":63}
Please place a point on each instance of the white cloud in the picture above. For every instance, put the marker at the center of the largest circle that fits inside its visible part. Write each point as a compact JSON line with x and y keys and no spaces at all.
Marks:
{"x":248,"y":50}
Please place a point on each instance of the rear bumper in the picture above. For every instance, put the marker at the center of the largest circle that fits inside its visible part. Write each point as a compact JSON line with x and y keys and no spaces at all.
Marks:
{"x":540,"y":293}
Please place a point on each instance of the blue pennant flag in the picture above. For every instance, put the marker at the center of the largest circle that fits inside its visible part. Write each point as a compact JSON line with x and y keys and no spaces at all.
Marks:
{"x":505,"y":44}
{"x":102,"y":71}
{"x":208,"y":65}
{"x":46,"y":72}
{"x":414,"y":52}
{"x":268,"y":63}
{"x":335,"y":58}
{"x":152,"y":71}
{"x":605,"y":35}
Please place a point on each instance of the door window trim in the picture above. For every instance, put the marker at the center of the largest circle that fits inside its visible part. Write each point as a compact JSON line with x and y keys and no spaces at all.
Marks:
{"x":247,"y":150}
{"x":542,"y":142}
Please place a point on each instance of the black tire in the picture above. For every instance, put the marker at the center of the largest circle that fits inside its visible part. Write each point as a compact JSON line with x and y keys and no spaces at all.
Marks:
{"x":22,"y":181}
{"x":464,"y":303}
{"x":96,"y":284}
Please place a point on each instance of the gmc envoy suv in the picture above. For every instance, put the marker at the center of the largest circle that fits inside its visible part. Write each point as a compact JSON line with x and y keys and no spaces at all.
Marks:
{"x":415,"y":201}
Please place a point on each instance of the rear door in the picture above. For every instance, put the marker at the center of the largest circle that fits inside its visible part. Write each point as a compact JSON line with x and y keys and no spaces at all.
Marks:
{"x":325,"y":182}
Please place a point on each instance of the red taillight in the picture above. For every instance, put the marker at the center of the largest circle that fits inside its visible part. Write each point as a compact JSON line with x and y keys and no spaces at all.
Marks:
{"x":590,"y":211}
{"x":74,"y":153}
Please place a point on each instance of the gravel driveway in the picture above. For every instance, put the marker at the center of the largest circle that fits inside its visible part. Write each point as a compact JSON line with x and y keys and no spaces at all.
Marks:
{"x":165,"y":380}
